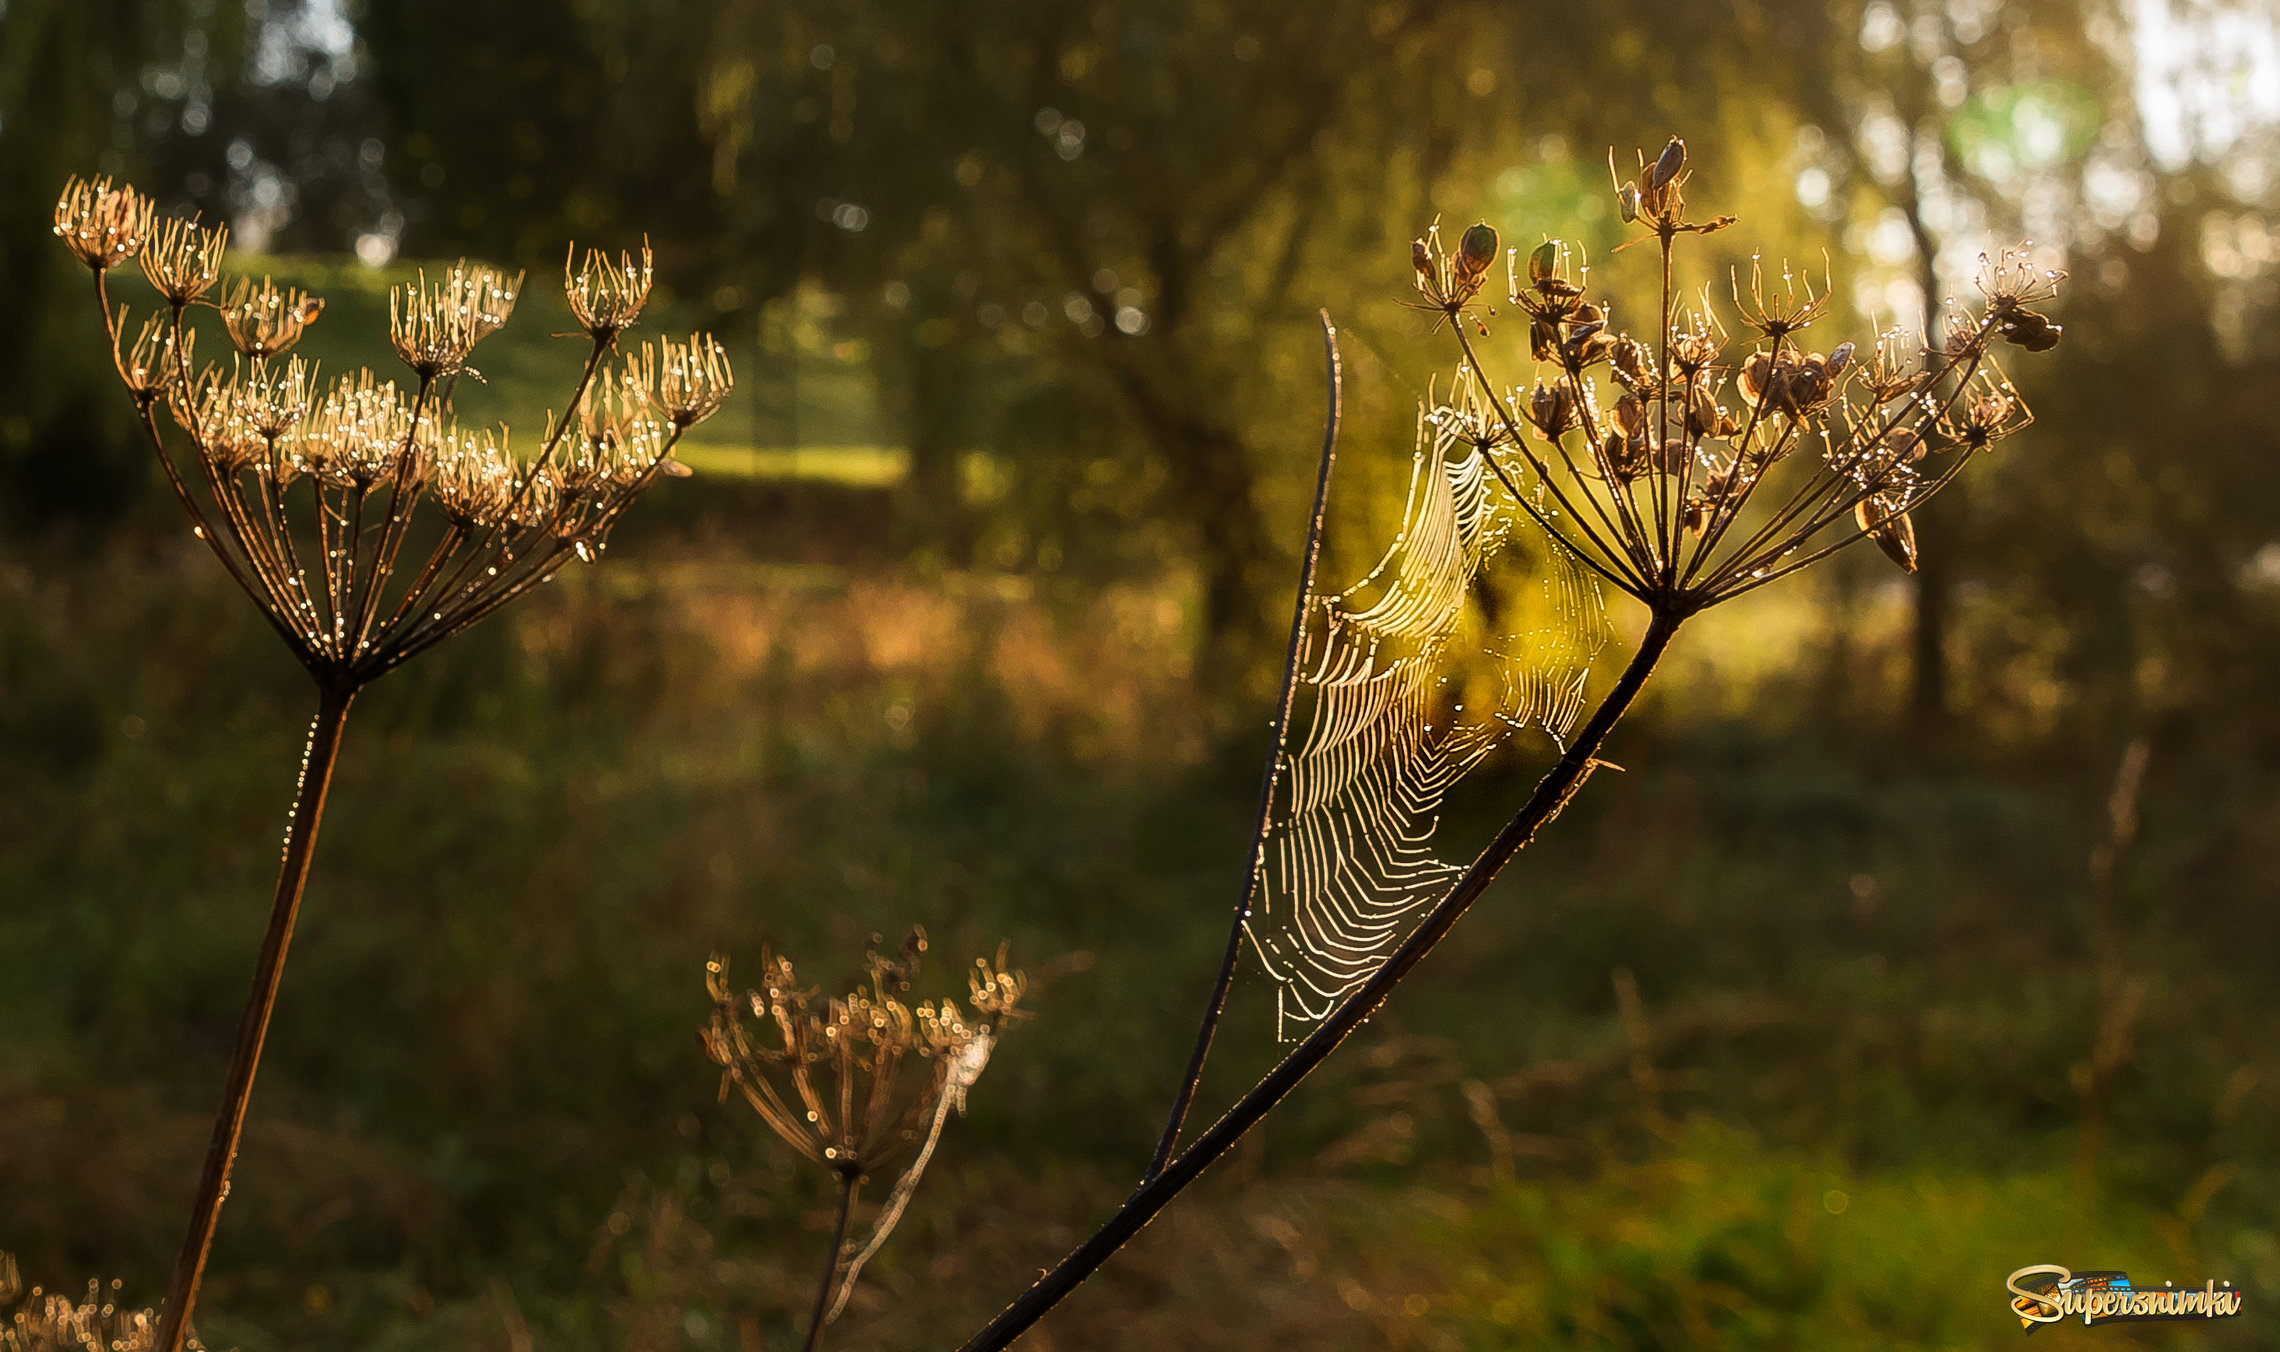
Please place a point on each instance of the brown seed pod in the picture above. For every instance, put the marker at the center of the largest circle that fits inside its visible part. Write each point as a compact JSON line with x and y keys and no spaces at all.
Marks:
{"x":2026,"y":329}
{"x":1552,"y":409}
{"x":1668,"y":164}
{"x":1543,"y":262}
{"x":1476,"y":250}
{"x":1893,"y":532}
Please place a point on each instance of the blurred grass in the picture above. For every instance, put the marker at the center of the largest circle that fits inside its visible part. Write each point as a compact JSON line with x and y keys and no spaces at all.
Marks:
{"x":483,"y":1102}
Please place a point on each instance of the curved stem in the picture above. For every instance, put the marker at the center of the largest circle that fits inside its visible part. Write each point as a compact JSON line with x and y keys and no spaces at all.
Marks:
{"x":831,"y":1261}
{"x":253,"y":1026}
{"x":1234,"y":953}
{"x":1154,"y":1195}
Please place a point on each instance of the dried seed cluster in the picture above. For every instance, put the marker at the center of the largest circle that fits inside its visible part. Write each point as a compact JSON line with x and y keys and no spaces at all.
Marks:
{"x":850,"y":1081}
{"x":310,"y":491}
{"x":42,"y":1322}
{"x":1686,"y":472}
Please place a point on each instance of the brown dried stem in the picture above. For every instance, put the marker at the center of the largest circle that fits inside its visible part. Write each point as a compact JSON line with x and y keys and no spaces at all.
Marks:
{"x":1869,"y":460}
{"x":338,"y":604}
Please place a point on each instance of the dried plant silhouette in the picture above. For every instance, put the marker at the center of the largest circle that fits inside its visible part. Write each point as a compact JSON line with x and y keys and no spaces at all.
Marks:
{"x":41,"y":1321}
{"x":1714,"y":470}
{"x":853,"y":1082}
{"x":310,"y":495}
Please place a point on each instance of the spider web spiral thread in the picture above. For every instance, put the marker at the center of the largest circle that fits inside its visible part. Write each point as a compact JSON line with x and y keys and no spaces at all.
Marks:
{"x":1347,"y":860}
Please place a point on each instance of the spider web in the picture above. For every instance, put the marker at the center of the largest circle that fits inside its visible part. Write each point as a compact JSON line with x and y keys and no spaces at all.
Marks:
{"x":1347,"y":858}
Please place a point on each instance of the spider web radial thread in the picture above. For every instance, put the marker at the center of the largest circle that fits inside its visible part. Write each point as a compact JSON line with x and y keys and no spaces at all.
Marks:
{"x":1348,"y":858}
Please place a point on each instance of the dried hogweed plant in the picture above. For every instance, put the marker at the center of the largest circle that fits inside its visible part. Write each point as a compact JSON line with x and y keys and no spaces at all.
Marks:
{"x":366,"y":525}
{"x":855,"y":1082}
{"x":46,"y":1322}
{"x":1679,"y":464}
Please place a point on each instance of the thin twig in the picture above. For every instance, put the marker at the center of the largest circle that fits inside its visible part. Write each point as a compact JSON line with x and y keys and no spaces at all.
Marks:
{"x":1227,"y":962}
{"x":847,"y":1181}
{"x":1574,"y":766}
{"x":253,"y":1027}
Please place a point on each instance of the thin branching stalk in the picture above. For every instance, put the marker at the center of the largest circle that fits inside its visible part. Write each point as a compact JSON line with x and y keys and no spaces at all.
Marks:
{"x":847,"y":1181}
{"x":1551,"y":794}
{"x":253,"y":1026}
{"x":853,"y":1081}
{"x":1872,"y":440}
{"x":1228,"y":962}
{"x":320,"y":456}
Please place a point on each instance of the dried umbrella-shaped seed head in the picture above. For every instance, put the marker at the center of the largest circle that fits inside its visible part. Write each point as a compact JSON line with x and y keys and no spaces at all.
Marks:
{"x":474,"y":479}
{"x":266,"y":319}
{"x":1776,"y":315}
{"x":687,"y":382}
{"x":435,"y":326}
{"x":42,"y":1322}
{"x":103,"y":226}
{"x":185,"y":260}
{"x":1682,"y":501}
{"x":1450,"y":281}
{"x":310,"y":496}
{"x":360,"y":434}
{"x":851,"y":1081}
{"x":151,"y":366}
{"x":239,"y":420}
{"x":606,"y":296}
{"x":618,"y":441}
{"x":1476,"y":251}
{"x":2011,"y":283}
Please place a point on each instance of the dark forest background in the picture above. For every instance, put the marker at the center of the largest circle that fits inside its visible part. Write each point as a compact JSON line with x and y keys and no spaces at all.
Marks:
{"x":1842,"y":1002}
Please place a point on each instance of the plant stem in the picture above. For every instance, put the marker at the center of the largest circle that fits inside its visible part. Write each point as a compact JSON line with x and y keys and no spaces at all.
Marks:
{"x":1234,"y":953}
{"x":253,"y":1026}
{"x":1551,"y":794}
{"x":831,"y":1260}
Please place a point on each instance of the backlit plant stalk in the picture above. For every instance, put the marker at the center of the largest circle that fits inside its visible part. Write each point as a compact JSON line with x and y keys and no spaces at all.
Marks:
{"x":853,"y":1082}
{"x":310,"y":495}
{"x":1668,"y":493}
{"x":44,"y":1321}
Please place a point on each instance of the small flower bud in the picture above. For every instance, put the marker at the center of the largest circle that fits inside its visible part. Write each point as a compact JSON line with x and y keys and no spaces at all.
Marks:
{"x":1627,"y":199}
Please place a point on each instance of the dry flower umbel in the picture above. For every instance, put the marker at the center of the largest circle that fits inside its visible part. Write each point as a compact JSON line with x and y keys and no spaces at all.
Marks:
{"x":311,"y":494}
{"x":45,"y":1322}
{"x":1686,"y":472}
{"x":1679,"y":467}
{"x":854,"y":1081}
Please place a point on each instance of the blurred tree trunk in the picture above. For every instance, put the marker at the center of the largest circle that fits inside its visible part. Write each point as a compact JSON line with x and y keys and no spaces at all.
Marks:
{"x":1213,"y":486}
{"x":1927,"y":644}
{"x":71,"y":103}
{"x":931,"y":512}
